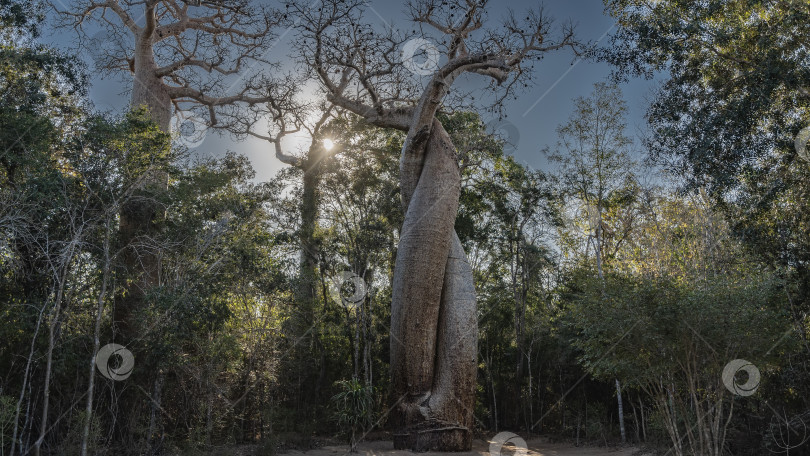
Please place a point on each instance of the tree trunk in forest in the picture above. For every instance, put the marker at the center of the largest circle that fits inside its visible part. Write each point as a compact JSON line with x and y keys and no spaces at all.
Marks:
{"x":140,"y":215}
{"x":621,"y":411}
{"x":643,"y":421}
{"x":309,"y":214}
{"x":519,"y":295}
{"x":155,"y":433}
{"x":28,"y":364}
{"x":140,"y":219}
{"x":303,"y":326}
{"x":148,"y":89}
{"x":102,"y":297}
{"x":53,"y":330}
{"x":433,"y":310}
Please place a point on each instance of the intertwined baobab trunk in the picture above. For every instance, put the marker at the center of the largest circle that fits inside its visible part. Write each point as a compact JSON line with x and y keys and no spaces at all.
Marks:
{"x":433,"y":320}
{"x":433,"y":311}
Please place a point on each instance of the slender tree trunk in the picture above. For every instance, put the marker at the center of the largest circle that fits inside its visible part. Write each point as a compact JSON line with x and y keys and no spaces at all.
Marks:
{"x":493,"y":409}
{"x":209,"y":418}
{"x":519,"y":295}
{"x":105,"y":278}
{"x":530,"y":415}
{"x":309,"y":216}
{"x":643,"y":421}
{"x":365,"y":304}
{"x":433,"y":320}
{"x":621,"y":411}
{"x":52,"y":328}
{"x":356,"y":343}
{"x":48,"y":368}
{"x":209,"y":406}
{"x":155,"y":437}
{"x":25,"y":382}
{"x":307,"y":266}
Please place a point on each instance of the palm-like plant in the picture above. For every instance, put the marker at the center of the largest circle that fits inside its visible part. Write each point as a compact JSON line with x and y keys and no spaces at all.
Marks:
{"x":354,"y":408}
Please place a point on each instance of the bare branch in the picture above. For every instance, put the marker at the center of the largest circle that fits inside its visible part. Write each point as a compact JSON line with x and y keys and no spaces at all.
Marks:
{"x":211,"y":56}
{"x":353,"y":61}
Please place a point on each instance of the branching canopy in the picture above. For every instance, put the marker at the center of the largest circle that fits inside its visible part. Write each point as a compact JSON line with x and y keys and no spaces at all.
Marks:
{"x":211,"y":55}
{"x":361,"y":69}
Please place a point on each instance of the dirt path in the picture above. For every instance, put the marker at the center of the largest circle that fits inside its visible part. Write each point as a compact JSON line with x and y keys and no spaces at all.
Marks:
{"x":480,"y":448}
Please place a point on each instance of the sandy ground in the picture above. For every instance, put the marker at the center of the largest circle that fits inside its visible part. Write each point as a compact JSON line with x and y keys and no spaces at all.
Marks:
{"x":480,"y":448}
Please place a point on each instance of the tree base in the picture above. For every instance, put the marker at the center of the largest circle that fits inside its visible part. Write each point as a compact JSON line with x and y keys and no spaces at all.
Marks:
{"x":433,"y":438}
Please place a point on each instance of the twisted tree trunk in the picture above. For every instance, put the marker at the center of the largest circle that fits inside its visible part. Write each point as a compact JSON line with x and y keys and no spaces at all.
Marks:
{"x":433,"y":321}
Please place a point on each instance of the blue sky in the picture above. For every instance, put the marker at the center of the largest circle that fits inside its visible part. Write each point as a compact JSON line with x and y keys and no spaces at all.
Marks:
{"x":559,"y":78}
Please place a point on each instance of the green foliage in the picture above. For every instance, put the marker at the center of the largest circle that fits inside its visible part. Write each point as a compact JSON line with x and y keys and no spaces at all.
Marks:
{"x":690,"y":280}
{"x":354,"y":407}
{"x":7,"y":408}
{"x":672,"y":340}
{"x":20,"y":18}
{"x":737,"y":91}
{"x":735,"y":99}
{"x":643,"y":329}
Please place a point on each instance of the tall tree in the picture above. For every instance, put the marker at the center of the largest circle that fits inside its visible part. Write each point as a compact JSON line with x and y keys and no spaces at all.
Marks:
{"x":596,"y":171}
{"x":285,"y":114}
{"x":433,"y":315}
{"x":738,"y":86}
{"x":184,"y":55}
{"x":289,"y":113}
{"x":729,"y":116}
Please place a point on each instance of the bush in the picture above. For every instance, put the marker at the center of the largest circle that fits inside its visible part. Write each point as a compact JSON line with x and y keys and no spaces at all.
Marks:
{"x":354,"y":408}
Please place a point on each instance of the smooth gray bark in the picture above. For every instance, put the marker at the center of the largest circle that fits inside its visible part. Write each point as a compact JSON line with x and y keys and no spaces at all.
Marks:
{"x":433,"y":321}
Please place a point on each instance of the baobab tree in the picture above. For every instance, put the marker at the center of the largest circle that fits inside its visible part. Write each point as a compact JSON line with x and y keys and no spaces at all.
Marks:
{"x":288,"y":113}
{"x":206,"y":57}
{"x":433,"y":314}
